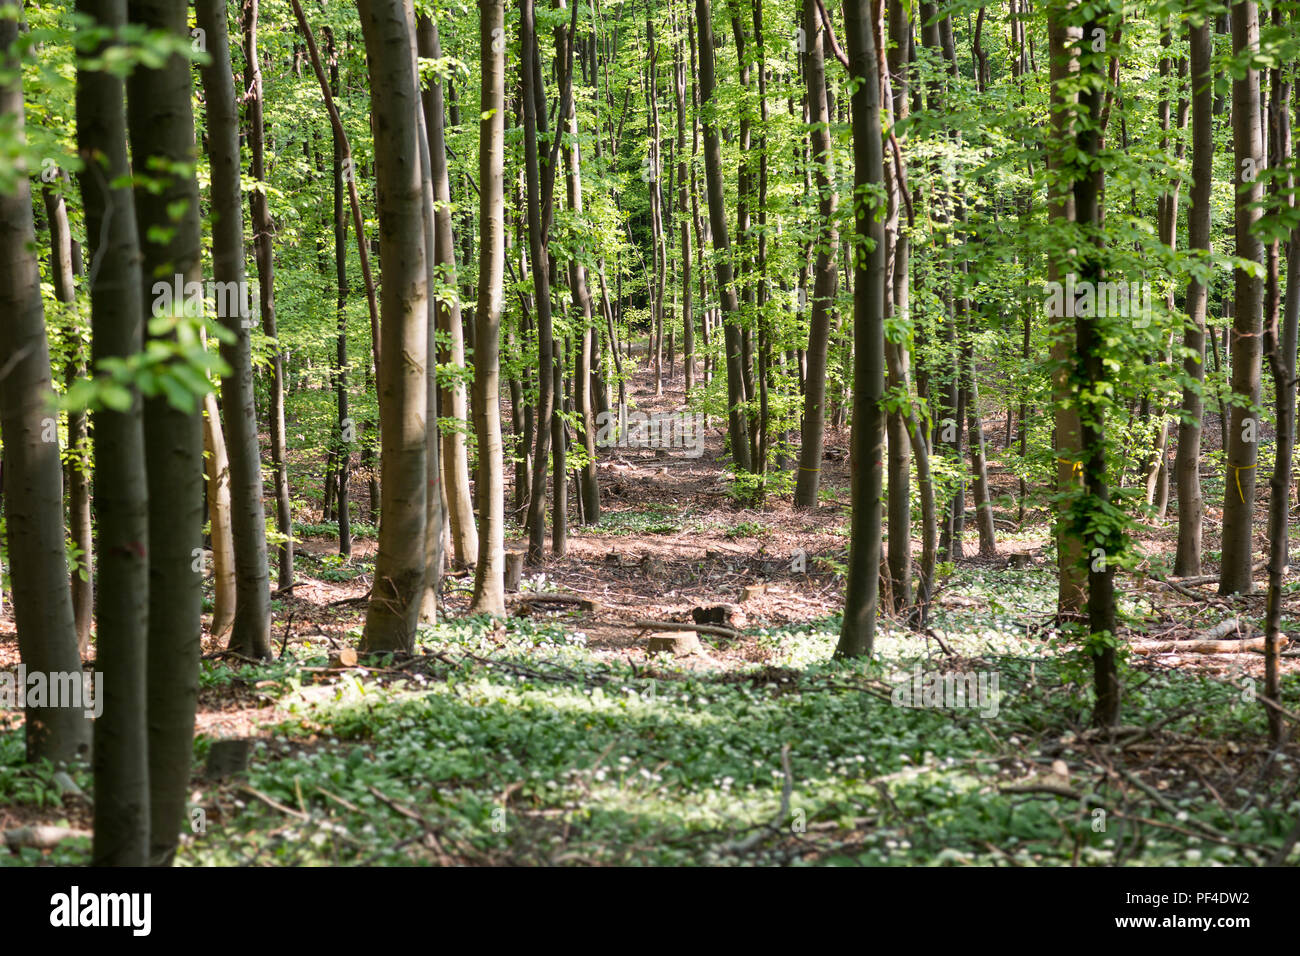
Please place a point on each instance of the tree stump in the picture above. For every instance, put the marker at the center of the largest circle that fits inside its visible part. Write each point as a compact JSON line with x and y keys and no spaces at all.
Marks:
{"x":725,"y":614}
{"x":677,"y":643}
{"x":514,"y":569}
{"x":227,"y":757}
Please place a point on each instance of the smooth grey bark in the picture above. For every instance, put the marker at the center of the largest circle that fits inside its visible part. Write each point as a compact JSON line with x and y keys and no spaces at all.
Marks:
{"x":341,"y":471}
{"x":489,"y":581}
{"x":454,"y":453}
{"x":263,"y":244}
{"x":1247,"y":321}
{"x":121,"y":506}
{"x":862,"y":583}
{"x":250,"y":632}
{"x":395,"y":600}
{"x":588,"y":482}
{"x":826,"y":275}
{"x":737,"y":430}
{"x":162,"y":131}
{"x":33,"y":486}
{"x":434,"y":514}
{"x":1187,"y":463}
{"x":77,"y":459}
{"x":1280,"y":335}
{"x":532,"y":116}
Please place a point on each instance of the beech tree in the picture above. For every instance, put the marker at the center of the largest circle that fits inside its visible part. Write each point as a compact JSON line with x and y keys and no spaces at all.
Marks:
{"x":33,"y":488}
{"x":489,"y":588}
{"x":161,"y":127}
{"x":394,"y":608}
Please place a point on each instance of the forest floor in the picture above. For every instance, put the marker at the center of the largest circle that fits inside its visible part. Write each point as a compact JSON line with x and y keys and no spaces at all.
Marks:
{"x":556,"y":737}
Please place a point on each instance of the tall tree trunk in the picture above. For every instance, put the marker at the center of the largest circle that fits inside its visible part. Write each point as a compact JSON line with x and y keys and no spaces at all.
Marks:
{"x":1090,"y":374}
{"x":536,"y":520}
{"x":979,"y":467}
{"x":826,"y":279}
{"x":395,"y":599}
{"x":899,"y":557}
{"x":216,"y":470}
{"x":77,"y":459}
{"x":684,"y":217}
{"x":653,"y":169}
{"x":737,"y":431}
{"x":1187,"y":466}
{"x":588,"y":482}
{"x":455,"y":449}
{"x":263,"y":237}
{"x":1243,"y":431}
{"x":346,"y":428}
{"x":358,"y":223}
{"x":862,"y":584}
{"x":489,"y":582}
{"x":250,"y":632}
{"x":1280,"y":345}
{"x":33,"y":488}
{"x":1071,"y":569}
{"x":121,"y":811}
{"x":434,"y":496}
{"x":162,"y":136}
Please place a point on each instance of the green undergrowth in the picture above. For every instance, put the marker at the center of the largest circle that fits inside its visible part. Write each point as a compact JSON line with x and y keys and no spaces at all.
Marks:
{"x":521,"y":743}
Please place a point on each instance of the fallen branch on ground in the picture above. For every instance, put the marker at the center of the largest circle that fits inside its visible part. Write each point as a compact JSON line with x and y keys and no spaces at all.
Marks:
{"x":675,"y":626}
{"x":1207,"y":647}
{"x":40,"y":837}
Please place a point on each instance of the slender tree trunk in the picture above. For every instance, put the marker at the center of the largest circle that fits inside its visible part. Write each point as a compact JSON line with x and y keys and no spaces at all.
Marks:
{"x":1187,"y":466}
{"x":1089,"y":185}
{"x":1071,"y":573}
{"x":1280,"y":345}
{"x":862,"y":584}
{"x":826,"y":281}
{"x":336,"y":492}
{"x":162,"y":132}
{"x":979,"y":467}
{"x":684,"y":217}
{"x":397,"y":595}
{"x":263,"y":238}
{"x":489,"y":586}
{"x":1243,"y":430}
{"x":216,"y":468}
{"x":737,"y":432}
{"x":435,"y":519}
{"x":588,"y":482}
{"x":536,"y":520}
{"x":899,"y":557}
{"x":33,"y":488}
{"x":77,"y":466}
{"x":250,"y":632}
{"x":455,"y":451}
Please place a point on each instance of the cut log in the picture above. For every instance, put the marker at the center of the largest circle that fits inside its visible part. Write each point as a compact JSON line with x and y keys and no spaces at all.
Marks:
{"x":677,"y":643}
{"x":41,"y":837}
{"x":1207,"y":647}
{"x":584,"y":604}
{"x":730,"y":632}
{"x":752,"y":591}
{"x":1233,"y":625}
{"x":343,"y":657}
